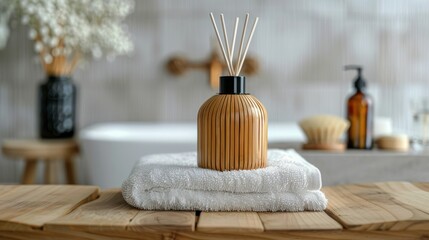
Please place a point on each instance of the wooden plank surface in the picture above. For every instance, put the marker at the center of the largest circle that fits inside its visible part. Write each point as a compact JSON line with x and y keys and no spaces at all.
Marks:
{"x":395,"y":206}
{"x":188,"y":235}
{"x":298,"y":221}
{"x":390,"y":210}
{"x":163,"y":220}
{"x":423,"y":186}
{"x":407,"y":194}
{"x":25,"y":207}
{"x":230,"y":222}
{"x":307,"y":235}
{"x":111,"y":213}
{"x":107,"y":213}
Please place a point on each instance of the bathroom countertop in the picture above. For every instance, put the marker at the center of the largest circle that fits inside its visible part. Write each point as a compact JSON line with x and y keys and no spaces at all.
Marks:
{"x":359,"y":166}
{"x":384,"y":210}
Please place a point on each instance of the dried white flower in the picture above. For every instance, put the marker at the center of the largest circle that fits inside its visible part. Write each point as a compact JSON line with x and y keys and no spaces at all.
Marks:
{"x":44,"y":30}
{"x":47,"y":58}
{"x":53,"y":42}
{"x":38,"y":47}
{"x":92,"y":28}
{"x":57,"y":30}
{"x":56,"y":52}
{"x":6,"y":9}
{"x":30,"y":9}
{"x":96,"y":52}
{"x":32,"y":34}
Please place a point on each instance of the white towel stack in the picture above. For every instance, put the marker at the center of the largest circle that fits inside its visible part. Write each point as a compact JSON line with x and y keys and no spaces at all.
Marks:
{"x":174,"y":182}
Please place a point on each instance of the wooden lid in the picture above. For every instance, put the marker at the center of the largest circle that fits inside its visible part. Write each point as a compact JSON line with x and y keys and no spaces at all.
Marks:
{"x":40,"y":149}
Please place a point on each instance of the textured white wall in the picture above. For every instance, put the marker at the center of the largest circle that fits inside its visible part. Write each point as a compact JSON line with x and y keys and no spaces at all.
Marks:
{"x":302,"y":47}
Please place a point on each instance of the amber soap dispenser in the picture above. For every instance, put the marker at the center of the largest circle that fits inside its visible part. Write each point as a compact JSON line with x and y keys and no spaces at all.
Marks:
{"x":360,"y":113}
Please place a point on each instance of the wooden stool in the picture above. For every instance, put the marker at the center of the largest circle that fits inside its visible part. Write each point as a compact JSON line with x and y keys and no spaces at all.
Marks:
{"x":49,"y":151}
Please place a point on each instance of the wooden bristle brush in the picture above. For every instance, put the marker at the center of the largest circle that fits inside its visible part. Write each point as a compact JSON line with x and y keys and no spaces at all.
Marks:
{"x":323,"y":132}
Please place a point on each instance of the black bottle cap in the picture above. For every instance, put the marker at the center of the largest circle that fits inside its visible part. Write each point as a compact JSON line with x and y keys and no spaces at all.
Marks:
{"x":232,"y":85}
{"x":359,"y":81}
{"x":59,"y":78}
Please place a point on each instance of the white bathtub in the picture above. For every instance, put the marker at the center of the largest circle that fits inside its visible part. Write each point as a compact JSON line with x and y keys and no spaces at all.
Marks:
{"x":110,"y":150}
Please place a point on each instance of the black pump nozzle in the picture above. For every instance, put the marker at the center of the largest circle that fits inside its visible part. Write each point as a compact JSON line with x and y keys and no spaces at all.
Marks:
{"x":359,"y":80}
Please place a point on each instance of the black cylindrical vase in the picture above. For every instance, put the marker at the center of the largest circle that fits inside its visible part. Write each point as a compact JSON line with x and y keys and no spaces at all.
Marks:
{"x":57,"y":108}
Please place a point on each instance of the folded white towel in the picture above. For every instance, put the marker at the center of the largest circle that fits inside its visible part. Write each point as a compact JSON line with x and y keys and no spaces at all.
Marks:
{"x":174,"y":181}
{"x":286,"y":171}
{"x":181,"y":199}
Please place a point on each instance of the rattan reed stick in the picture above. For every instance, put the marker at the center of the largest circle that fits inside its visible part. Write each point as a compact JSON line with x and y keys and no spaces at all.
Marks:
{"x":225,"y":35}
{"x":241,"y":44}
{"x":228,"y":63}
{"x":233,"y":42}
{"x":229,"y":53}
{"x":247,"y":46}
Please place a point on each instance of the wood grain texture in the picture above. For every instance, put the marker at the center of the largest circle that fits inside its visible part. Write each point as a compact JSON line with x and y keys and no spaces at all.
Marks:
{"x":395,"y":206}
{"x":163,"y":220}
{"x":107,"y":213}
{"x":337,"y":147}
{"x":423,"y":186}
{"x":50,"y":172}
{"x":24,"y":207}
{"x":229,"y":222}
{"x":33,"y":150}
{"x":110,"y":213}
{"x":390,"y":210}
{"x":232,"y":133}
{"x":186,"y":235}
{"x":408,"y":194}
{"x":29,"y":171}
{"x":39,"y":149}
{"x":58,"y":234}
{"x":70,"y":170}
{"x":308,"y":235}
{"x":298,"y":221}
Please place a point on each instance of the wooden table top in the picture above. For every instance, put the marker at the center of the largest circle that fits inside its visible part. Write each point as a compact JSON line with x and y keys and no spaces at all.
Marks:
{"x":387,"y":210}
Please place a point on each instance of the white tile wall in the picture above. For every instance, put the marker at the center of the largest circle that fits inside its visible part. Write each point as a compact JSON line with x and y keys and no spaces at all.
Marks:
{"x":302,"y":47}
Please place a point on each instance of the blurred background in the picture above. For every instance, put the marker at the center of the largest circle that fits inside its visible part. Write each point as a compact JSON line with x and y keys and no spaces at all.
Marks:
{"x":301,"y":47}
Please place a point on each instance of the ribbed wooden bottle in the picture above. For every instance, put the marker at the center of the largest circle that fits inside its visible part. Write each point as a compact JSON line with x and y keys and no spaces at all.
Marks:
{"x":232,"y":133}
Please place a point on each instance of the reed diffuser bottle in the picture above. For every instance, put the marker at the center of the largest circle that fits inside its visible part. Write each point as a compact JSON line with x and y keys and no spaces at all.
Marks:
{"x":232,"y":125}
{"x":232,"y":129}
